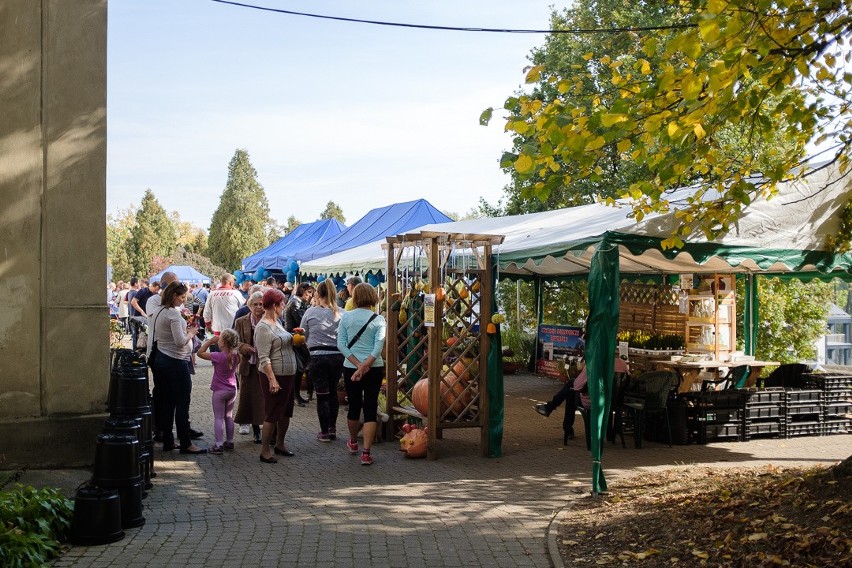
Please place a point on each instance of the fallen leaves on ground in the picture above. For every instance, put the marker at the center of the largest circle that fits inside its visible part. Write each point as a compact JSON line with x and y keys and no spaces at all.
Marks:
{"x":698,"y":516}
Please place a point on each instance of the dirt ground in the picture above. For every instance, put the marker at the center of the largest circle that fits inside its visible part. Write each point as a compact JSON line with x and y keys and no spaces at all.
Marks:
{"x":700,"y":516}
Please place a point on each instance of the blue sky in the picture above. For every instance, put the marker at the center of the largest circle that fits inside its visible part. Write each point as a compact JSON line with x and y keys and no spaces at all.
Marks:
{"x":361,"y":115}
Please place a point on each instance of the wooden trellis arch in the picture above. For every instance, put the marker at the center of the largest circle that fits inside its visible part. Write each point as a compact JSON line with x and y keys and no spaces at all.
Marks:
{"x":420,"y":347}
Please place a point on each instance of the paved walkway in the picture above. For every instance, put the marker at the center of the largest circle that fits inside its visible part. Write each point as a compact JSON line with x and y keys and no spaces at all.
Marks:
{"x":322,"y":508}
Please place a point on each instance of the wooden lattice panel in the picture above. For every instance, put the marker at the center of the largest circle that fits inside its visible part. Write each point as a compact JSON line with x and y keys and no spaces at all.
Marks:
{"x":437,"y":348}
{"x":460,"y":348}
{"x":650,"y":307}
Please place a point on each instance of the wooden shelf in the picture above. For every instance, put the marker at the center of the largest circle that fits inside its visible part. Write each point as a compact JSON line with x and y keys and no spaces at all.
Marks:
{"x":715,"y":308}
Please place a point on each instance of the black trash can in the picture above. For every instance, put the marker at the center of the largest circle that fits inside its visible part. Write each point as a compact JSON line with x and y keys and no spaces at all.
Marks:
{"x":97,"y":517}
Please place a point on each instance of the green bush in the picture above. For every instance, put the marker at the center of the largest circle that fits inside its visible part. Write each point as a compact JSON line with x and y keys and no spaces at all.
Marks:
{"x":32,"y":523}
{"x":520,"y":344}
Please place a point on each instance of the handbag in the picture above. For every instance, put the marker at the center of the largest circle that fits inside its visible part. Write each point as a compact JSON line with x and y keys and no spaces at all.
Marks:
{"x":155,"y":352}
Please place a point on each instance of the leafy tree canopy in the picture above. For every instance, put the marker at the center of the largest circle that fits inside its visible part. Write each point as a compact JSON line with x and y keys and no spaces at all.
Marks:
{"x":118,"y":229}
{"x":769,"y":77}
{"x":240,"y":224}
{"x":152,"y":235}
{"x":292,"y":223}
{"x":333,"y":211}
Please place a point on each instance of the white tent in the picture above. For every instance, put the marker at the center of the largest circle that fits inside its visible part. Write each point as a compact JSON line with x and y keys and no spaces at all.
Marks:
{"x":782,"y":234}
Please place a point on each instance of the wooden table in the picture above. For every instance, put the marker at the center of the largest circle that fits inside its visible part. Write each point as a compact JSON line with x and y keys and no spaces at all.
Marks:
{"x":689,"y":372}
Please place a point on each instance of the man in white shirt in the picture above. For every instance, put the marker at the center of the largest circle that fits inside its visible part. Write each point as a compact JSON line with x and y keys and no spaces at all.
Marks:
{"x":222,"y":304}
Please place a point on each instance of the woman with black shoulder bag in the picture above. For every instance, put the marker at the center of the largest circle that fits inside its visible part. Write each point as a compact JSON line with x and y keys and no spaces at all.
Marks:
{"x":361,"y":339}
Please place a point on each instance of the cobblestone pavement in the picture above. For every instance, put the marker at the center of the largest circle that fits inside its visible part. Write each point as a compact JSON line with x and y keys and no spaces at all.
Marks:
{"x":322,"y":508}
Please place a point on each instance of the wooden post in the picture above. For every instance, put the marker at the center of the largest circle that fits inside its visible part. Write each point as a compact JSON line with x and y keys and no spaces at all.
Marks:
{"x":435,"y":356}
{"x":485,"y":290}
{"x":391,"y":344}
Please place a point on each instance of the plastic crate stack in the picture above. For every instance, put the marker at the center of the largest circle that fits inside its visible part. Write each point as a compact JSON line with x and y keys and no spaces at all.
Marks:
{"x":763,"y":413}
{"x":714,"y":415}
{"x":836,"y":392}
{"x":804,"y":413}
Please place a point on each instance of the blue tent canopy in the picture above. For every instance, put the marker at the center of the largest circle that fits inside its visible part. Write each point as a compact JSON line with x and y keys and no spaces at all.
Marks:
{"x":184,"y":273}
{"x":276,"y":255}
{"x":376,"y":225}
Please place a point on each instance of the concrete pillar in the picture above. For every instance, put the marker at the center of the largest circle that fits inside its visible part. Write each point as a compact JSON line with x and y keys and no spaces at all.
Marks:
{"x":54,"y":346}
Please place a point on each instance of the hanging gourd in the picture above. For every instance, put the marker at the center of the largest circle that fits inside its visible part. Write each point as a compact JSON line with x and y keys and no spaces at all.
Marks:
{"x":440,"y":294}
{"x":491,"y":329}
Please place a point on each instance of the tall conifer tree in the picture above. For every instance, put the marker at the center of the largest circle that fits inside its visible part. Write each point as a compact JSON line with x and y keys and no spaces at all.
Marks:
{"x":239,"y":225}
{"x":153,"y":235}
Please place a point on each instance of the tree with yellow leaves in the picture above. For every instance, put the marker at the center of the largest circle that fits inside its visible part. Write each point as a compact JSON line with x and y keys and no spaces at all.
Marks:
{"x":727,"y":97}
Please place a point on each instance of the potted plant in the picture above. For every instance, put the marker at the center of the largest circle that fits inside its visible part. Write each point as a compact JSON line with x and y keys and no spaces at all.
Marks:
{"x":518,"y":350}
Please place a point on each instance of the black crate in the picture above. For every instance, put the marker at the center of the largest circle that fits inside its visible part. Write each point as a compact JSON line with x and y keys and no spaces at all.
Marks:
{"x":831,"y":427}
{"x":804,"y":409}
{"x":837,"y":395}
{"x":837,"y":409}
{"x":766,"y":396}
{"x":762,"y":412}
{"x":716,"y":399}
{"x":713,"y":432}
{"x":829,"y":380}
{"x":809,"y":428}
{"x":802,"y":396}
{"x":766,"y":429}
{"x":718,"y":415}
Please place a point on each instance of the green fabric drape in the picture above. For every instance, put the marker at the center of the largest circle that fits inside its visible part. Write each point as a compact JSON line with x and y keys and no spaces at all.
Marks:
{"x":750,"y":315}
{"x":600,"y":348}
{"x":495,"y":382}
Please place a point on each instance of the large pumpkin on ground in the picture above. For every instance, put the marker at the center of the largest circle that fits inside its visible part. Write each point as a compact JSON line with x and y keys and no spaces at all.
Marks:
{"x":453,"y":394}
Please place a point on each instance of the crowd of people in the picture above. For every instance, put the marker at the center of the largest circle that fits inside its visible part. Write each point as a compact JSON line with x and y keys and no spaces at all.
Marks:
{"x":258,"y":362}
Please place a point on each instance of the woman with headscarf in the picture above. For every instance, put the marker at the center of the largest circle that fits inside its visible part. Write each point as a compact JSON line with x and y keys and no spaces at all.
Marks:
{"x":250,"y":409}
{"x":171,"y":366}
{"x":320,"y":324}
{"x":277,"y":368}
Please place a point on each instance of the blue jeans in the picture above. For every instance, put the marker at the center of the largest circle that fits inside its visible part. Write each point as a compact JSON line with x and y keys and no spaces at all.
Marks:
{"x":135,"y":327}
{"x":173,"y":377}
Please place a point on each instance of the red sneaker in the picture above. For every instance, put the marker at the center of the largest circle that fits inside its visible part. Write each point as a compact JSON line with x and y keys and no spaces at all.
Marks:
{"x":366,"y":459}
{"x":352,"y":446}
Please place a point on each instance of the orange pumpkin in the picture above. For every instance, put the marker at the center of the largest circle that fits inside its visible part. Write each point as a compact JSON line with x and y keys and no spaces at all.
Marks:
{"x":420,"y":396}
{"x":418,"y":445}
{"x":491,"y":329}
{"x":440,"y":294}
{"x":461,"y":369}
{"x":452,"y":341}
{"x":453,"y":393}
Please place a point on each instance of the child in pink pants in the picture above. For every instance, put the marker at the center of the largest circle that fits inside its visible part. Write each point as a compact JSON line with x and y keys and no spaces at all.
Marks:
{"x":224,"y":386}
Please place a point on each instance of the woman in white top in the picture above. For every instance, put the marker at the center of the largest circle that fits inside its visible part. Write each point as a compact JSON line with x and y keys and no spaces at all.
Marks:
{"x":171,"y":367}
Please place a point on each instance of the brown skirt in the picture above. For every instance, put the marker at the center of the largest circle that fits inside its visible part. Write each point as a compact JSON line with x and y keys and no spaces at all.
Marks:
{"x":279,"y":405}
{"x":250,"y":409}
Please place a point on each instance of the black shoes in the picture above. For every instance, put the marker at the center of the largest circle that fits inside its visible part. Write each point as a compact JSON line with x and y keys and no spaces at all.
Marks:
{"x":195,"y":451}
{"x":541,"y":408}
{"x":195,"y":434}
{"x":286,"y":453}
